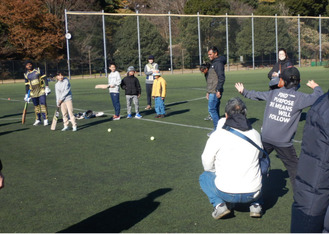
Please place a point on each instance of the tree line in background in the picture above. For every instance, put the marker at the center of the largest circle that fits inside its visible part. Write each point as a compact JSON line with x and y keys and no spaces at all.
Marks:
{"x":35,"y":29}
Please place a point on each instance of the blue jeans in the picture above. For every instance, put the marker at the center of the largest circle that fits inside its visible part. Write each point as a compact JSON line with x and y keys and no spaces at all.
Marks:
{"x":159,"y":106}
{"x":207,"y":183}
{"x":213,"y":108}
{"x":116,"y":102}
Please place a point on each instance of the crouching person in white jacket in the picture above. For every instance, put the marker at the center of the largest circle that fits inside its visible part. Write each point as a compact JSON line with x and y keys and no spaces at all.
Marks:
{"x":231,"y":164}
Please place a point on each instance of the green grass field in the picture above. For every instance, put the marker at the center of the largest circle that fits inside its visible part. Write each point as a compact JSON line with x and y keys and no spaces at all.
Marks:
{"x":95,"y":181}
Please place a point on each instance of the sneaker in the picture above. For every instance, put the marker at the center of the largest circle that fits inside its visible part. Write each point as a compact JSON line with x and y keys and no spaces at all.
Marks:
{"x":37,"y":122}
{"x":138,"y":116}
{"x":74,"y":129}
{"x":208,"y":118}
{"x":220,"y":211}
{"x":65,"y":128}
{"x":129,"y":116}
{"x":255,"y":211}
{"x":45,"y":122}
{"x":116,"y":117}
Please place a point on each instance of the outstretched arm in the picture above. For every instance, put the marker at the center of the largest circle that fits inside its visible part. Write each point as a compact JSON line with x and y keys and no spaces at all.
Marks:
{"x":312,"y":84}
{"x":239,"y":87}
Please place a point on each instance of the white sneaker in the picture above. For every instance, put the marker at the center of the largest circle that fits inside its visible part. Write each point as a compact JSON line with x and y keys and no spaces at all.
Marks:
{"x":74,"y":129}
{"x":220,"y":211}
{"x":37,"y":122}
{"x":255,"y":211}
{"x":45,"y":122}
{"x":65,"y":128}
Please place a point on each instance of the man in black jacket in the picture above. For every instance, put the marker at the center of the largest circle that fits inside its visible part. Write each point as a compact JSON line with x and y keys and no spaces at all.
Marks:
{"x":310,"y":210}
{"x":215,"y":84}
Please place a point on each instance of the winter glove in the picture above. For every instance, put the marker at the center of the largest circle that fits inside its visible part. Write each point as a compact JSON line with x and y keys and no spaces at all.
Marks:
{"x":27,"y":98}
{"x":47,"y":90}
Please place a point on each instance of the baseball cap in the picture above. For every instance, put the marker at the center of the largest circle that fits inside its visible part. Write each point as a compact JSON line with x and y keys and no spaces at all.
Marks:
{"x":151,"y":57}
{"x":291,"y":74}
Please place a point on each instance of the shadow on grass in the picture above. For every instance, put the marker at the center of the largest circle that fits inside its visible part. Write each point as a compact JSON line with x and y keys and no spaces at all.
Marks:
{"x":5,"y":124}
{"x":274,"y":187}
{"x":17,"y":114}
{"x":92,"y":123}
{"x":177,"y":112}
{"x":303,"y":117}
{"x":121,"y":217}
{"x":8,"y":132}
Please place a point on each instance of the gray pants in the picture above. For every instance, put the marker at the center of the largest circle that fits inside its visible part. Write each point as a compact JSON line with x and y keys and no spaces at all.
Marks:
{"x":133,"y":98}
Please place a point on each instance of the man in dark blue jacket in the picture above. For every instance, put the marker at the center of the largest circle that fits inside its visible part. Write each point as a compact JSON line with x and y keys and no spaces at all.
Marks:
{"x":310,"y":210}
{"x":215,"y":84}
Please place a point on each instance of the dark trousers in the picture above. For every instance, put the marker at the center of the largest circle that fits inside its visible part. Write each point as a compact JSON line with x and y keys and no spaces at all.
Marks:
{"x":116,"y":102}
{"x":289,"y":158}
{"x":149,"y":94}
{"x":40,"y":107}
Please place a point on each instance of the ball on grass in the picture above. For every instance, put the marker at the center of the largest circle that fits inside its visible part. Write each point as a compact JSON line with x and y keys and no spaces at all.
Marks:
{"x":152,"y":138}
{"x":109,"y":130}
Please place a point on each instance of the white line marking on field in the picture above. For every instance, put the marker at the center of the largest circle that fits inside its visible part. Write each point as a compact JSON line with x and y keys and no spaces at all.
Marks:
{"x":176,"y":124}
{"x":150,"y":120}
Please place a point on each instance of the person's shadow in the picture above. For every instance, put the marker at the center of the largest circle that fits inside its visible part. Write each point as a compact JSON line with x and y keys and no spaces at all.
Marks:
{"x":120,"y":217}
{"x":273,"y":187}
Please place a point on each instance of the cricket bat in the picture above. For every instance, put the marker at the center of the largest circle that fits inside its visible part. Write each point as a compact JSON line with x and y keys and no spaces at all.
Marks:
{"x":25,"y":109}
{"x":55,"y":118}
{"x":102,"y":86}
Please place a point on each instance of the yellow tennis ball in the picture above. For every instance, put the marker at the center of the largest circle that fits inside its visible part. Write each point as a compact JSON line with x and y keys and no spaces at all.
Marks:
{"x":109,"y":130}
{"x":152,"y":138}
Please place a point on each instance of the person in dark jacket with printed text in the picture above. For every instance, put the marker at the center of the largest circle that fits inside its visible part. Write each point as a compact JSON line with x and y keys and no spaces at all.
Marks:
{"x":215,"y":84}
{"x":310,"y":210}
{"x":282,"y":113}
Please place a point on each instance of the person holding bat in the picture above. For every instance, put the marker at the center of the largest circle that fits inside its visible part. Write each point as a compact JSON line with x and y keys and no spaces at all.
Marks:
{"x":36,"y":84}
{"x":64,"y":101}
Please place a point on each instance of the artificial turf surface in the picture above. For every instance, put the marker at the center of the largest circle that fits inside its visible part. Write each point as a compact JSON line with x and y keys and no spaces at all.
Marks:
{"x":95,"y":181}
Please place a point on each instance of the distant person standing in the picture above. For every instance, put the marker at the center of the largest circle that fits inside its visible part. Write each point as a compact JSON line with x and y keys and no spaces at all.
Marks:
{"x":215,"y":84}
{"x":276,"y":72}
{"x":149,"y":68}
{"x":133,"y":91}
{"x":159,"y":92}
{"x":114,"y":81}
{"x":38,"y":86}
